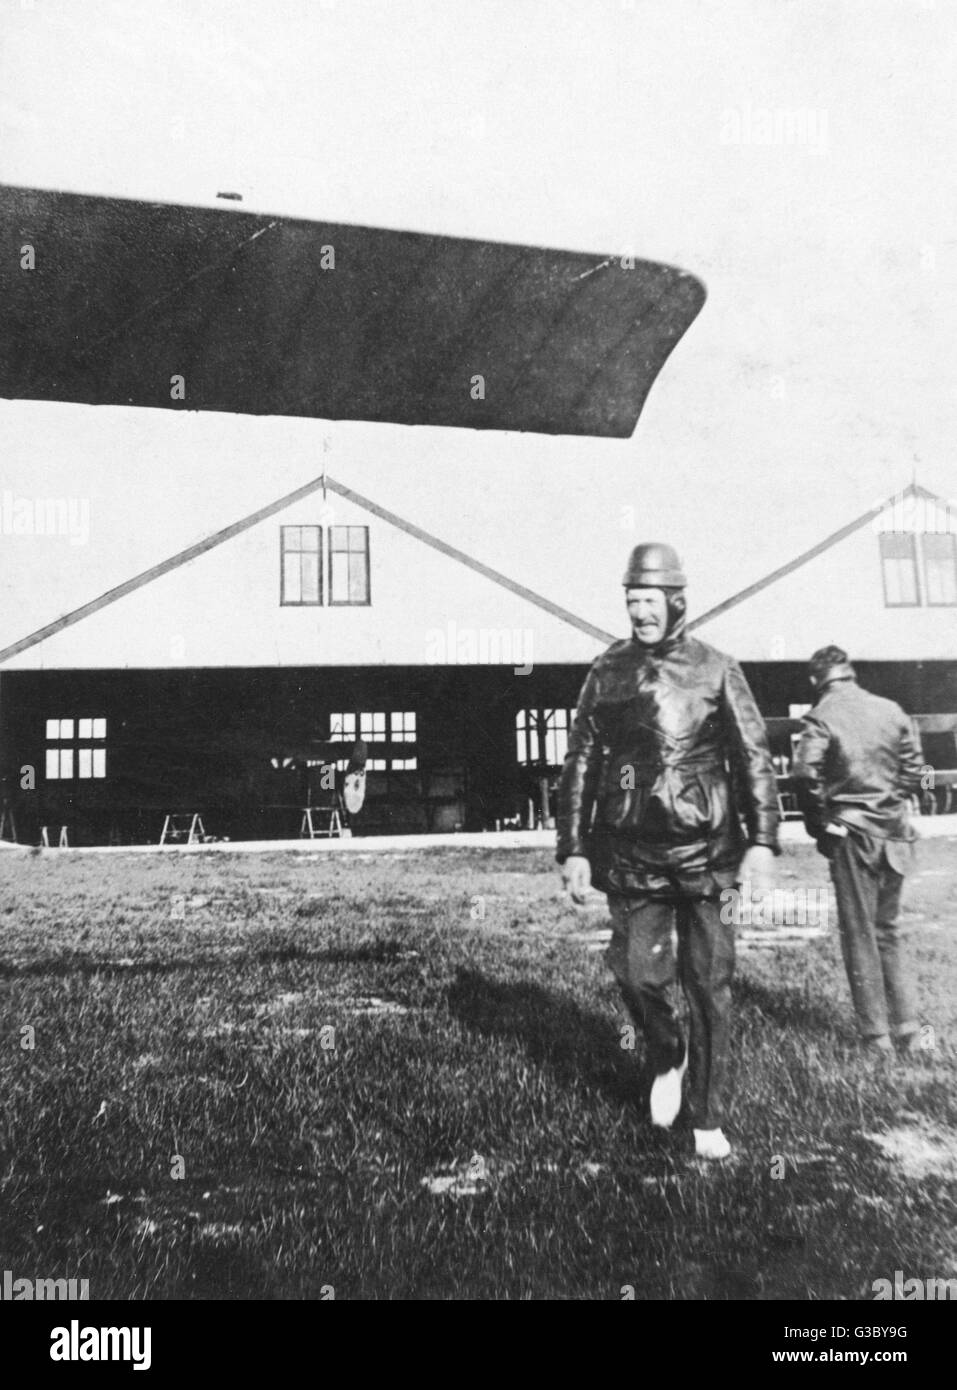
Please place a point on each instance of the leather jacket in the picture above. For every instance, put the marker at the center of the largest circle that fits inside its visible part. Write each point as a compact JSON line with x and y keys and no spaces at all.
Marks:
{"x":668,"y":748}
{"x":857,"y":763}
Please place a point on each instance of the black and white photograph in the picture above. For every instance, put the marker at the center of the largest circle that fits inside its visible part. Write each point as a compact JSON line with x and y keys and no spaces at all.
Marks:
{"x":478,"y":663}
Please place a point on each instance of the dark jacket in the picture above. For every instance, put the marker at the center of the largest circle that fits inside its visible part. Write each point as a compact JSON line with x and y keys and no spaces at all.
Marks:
{"x":667,"y":748}
{"x":858,"y":761}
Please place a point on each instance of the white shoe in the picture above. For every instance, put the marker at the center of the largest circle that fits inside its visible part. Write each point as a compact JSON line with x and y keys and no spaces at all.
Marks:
{"x":711,"y":1143}
{"x":666,"y":1095}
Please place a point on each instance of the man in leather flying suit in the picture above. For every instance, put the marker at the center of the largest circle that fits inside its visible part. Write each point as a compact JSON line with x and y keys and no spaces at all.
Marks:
{"x":667,"y":753}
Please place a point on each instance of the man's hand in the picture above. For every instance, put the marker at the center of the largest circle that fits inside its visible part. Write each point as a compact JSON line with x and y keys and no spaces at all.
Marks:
{"x":576,"y":876}
{"x":757,"y":868}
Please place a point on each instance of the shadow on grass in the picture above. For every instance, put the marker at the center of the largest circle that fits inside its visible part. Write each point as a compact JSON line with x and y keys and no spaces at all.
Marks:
{"x":554,"y":1030}
{"x":377,"y":953}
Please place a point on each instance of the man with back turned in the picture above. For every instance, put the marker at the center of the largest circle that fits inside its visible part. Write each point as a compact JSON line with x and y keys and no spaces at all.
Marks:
{"x":857,"y":764}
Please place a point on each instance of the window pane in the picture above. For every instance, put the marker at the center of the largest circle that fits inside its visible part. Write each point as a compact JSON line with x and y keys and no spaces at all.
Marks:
{"x":522,"y":723}
{"x":291,"y":587}
{"x":310,"y":577}
{"x":899,"y":561}
{"x":66,"y":760}
{"x":66,"y":729}
{"x":900,"y":579}
{"x":533,"y":745}
{"x":339,"y":578}
{"x":86,"y":729}
{"x":53,"y":728}
{"x":290,"y":538}
{"x":897,"y":545}
{"x":99,"y":728}
{"x":85,"y":762}
{"x":556,"y":746}
{"x":310,"y":538}
{"x":99,"y":762}
{"x":358,"y":590}
{"x":53,"y":763}
{"x":940,"y":568}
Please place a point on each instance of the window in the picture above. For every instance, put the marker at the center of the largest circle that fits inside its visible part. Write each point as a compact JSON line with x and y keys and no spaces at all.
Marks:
{"x":59,"y":763}
{"x":349,"y":564}
{"x":402,"y":730}
{"x":372,"y":727}
{"x":403,"y":727}
{"x":899,"y":565}
{"x":301,"y":548}
{"x":541,"y":736}
{"x":378,"y":727}
{"x":301,"y":566}
{"x":342,"y":728}
{"x":87,"y":762}
{"x":940,"y":568}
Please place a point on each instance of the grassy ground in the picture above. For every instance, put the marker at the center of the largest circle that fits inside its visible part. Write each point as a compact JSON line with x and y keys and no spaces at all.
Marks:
{"x":401,"y":1077}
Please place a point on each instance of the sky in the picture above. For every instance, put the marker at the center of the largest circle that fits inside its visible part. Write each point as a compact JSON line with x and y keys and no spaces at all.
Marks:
{"x":797,"y":157}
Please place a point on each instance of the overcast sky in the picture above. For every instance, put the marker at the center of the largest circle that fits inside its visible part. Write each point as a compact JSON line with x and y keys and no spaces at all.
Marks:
{"x":798,"y":157}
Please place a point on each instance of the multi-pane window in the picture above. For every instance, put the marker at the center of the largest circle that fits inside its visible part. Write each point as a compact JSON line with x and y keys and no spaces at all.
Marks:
{"x":302,"y":575}
{"x":899,"y":566}
{"x":919,"y":568}
{"x":403,"y":727}
{"x":402,"y":730}
{"x":349,"y":564}
{"x":541,"y":736}
{"x":74,"y":749}
{"x":342,"y":728}
{"x":377,"y":726}
{"x":940,"y":568}
{"x":372,"y":727}
{"x":301,"y":548}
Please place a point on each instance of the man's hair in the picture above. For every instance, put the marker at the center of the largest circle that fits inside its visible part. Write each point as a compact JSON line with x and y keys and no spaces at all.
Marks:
{"x":825,"y":658}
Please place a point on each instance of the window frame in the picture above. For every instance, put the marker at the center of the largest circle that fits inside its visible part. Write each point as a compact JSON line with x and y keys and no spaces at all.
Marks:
{"x":70,"y":749}
{"x":527,"y":729}
{"x":367,"y":555}
{"x":285,"y":602}
{"x":381,"y":736}
{"x":917,"y":601}
{"x":942,"y":535}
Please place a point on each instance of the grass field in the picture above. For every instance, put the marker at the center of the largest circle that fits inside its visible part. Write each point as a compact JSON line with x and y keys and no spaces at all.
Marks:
{"x":400,"y":1076}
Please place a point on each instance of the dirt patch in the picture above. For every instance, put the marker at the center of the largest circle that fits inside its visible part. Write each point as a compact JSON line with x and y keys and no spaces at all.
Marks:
{"x":371,"y":1005}
{"x":921,"y":1151}
{"x":461,"y":1180}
